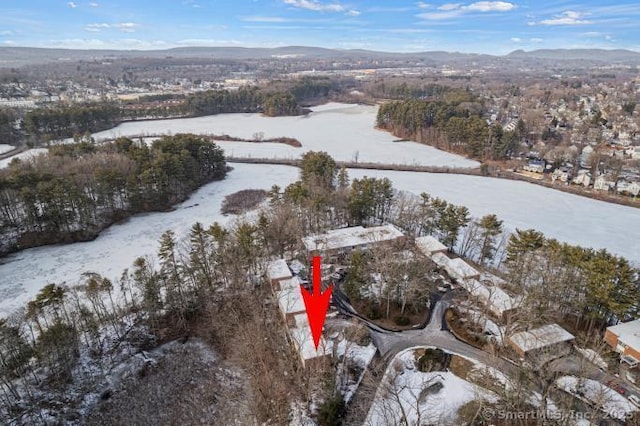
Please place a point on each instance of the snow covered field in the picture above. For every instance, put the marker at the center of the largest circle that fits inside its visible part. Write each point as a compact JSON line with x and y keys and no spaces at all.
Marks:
{"x":403,"y":384}
{"x":566,"y":217}
{"x":345,"y":131}
{"x":22,"y":275}
{"x":5,"y":148}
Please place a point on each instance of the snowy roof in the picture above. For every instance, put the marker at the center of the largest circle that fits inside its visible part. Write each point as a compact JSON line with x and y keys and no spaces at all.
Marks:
{"x":460,"y":269}
{"x":351,"y":237}
{"x":301,"y":335}
{"x":440,"y":259}
{"x":628,"y":333}
{"x":496,"y":299}
{"x":289,"y":297}
{"x":540,"y":337}
{"x":428,"y":245}
{"x":278,"y":270}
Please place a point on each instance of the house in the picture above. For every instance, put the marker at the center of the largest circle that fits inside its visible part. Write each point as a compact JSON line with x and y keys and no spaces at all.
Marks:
{"x":601,"y":184}
{"x":624,"y":338}
{"x":549,"y":341}
{"x":535,"y":166}
{"x":302,"y":339}
{"x":429,"y":245}
{"x":460,"y":270}
{"x":287,"y":291}
{"x":498,"y":302}
{"x":290,"y":300}
{"x":277,"y":271}
{"x":583,"y":178}
{"x":632,"y":189}
{"x":347,"y":239}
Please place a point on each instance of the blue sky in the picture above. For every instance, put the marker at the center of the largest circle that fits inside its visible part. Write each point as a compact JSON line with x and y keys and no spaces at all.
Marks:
{"x":495,"y":27}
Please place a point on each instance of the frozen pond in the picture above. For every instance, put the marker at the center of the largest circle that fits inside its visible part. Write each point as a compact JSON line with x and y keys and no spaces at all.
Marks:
{"x":30,"y":153}
{"x":344,"y":131}
{"x":566,"y":217}
{"x":23,"y":274}
{"x":5,"y":148}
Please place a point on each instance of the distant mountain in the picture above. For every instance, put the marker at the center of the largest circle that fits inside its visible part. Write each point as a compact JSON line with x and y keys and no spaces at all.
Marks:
{"x":603,"y":55}
{"x":17,"y":56}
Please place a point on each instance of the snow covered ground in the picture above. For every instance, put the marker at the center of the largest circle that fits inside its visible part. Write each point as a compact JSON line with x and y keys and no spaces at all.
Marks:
{"x":343,"y":130}
{"x":593,"y":357}
{"x":566,"y":217}
{"x":5,"y":148}
{"x":402,"y":391}
{"x":23,"y":274}
{"x":22,"y":156}
{"x":598,"y":394}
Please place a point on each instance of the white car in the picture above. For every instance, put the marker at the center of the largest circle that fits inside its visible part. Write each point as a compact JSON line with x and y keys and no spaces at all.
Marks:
{"x":635,"y":400}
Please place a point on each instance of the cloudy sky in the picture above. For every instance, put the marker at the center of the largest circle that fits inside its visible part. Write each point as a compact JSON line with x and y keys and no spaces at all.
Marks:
{"x":495,"y":27}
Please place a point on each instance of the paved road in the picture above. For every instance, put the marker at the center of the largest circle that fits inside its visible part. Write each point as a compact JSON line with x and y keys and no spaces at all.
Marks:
{"x":390,"y":343}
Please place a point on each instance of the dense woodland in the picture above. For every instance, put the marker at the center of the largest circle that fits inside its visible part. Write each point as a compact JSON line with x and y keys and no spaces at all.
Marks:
{"x":44,"y":124}
{"x":77,"y":189}
{"x":451,"y":120}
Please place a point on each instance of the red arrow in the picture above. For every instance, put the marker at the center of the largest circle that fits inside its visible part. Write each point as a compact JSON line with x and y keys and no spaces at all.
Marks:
{"x":316,"y":303}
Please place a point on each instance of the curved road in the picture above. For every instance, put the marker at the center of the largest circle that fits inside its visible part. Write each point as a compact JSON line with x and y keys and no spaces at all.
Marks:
{"x":390,"y":343}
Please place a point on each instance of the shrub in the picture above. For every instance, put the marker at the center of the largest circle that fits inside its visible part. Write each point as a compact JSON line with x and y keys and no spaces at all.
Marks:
{"x":332,"y":411}
{"x":402,"y":320}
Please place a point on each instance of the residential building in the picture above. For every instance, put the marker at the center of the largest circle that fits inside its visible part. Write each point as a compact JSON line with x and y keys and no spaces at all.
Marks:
{"x":347,"y":239}
{"x":624,"y":338}
{"x":429,"y":245}
{"x":544,"y":343}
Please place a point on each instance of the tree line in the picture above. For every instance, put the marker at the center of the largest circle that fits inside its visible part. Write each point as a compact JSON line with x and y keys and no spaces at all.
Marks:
{"x":454,"y":123}
{"x":78,"y":189}
{"x":61,"y":121}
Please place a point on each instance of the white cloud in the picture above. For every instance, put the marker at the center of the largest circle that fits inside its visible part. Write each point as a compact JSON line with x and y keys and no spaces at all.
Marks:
{"x":317,"y":5}
{"x":568,"y":17}
{"x":353,"y":12}
{"x":536,"y":40}
{"x":423,"y":5}
{"x":94,"y":28}
{"x":491,"y":6}
{"x":449,"y":6}
{"x":125,"y":27}
{"x":454,"y":10}
{"x":93,"y":4}
{"x":9,"y":42}
{"x":72,"y":5}
{"x":516,"y":39}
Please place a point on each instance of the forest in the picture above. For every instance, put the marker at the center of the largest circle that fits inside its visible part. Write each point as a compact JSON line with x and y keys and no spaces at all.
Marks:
{"x":452,"y":121}
{"x":45,"y":124}
{"x":78,"y":189}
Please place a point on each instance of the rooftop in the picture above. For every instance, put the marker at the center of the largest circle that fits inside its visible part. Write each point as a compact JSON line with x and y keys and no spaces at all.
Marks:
{"x":351,"y":237}
{"x":461,"y":268}
{"x":540,"y":337}
{"x":628,"y":333}
{"x":301,"y":335}
{"x":497,"y":300}
{"x":428,"y":245}
{"x":290,"y":297}
{"x":278,"y":270}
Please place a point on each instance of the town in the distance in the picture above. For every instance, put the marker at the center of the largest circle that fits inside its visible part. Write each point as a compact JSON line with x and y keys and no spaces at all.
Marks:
{"x":477,"y":217}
